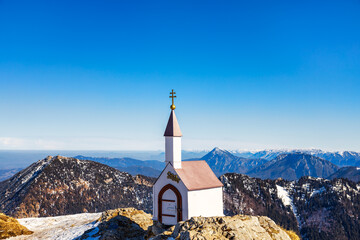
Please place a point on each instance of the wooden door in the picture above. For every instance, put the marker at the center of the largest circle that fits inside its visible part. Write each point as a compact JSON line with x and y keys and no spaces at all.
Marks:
{"x":170,"y":203}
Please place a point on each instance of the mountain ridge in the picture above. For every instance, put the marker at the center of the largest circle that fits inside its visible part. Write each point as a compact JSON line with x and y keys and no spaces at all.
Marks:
{"x":61,"y":185}
{"x":351,"y":173}
{"x":222,"y":161}
{"x":340,"y":158}
{"x":292,"y":166}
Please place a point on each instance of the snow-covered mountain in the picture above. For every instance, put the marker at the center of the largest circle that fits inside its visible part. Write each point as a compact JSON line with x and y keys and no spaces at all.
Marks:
{"x":340,"y":158}
{"x":60,"y":185}
{"x":315,"y":207}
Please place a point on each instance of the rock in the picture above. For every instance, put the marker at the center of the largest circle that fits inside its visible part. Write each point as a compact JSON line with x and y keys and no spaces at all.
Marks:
{"x":144,"y":220}
{"x":129,"y":223}
{"x":235,"y":227}
{"x":159,"y":231}
{"x":10,"y":227}
{"x":121,"y":223}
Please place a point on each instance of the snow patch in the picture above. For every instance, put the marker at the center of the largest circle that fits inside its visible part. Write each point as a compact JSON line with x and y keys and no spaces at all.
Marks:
{"x":283,"y":195}
{"x":287,"y":201}
{"x":317,"y":191}
{"x":66,"y":227}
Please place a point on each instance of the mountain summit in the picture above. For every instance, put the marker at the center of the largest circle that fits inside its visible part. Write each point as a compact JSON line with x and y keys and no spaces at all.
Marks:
{"x":222,"y":161}
{"x":60,"y":185}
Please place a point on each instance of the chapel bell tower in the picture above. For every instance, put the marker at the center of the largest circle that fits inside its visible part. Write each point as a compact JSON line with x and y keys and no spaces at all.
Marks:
{"x":184,"y":189}
{"x":173,"y":138}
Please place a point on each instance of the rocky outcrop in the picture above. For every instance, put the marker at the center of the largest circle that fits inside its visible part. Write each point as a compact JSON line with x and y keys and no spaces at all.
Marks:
{"x":144,"y":220}
{"x":144,"y":180}
{"x":130,"y":223}
{"x":235,"y":227}
{"x":10,"y":227}
{"x":122,"y":223}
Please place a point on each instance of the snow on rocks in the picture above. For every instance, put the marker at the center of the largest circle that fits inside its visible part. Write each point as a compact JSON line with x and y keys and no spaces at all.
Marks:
{"x":62,"y":227}
{"x":322,"y":189}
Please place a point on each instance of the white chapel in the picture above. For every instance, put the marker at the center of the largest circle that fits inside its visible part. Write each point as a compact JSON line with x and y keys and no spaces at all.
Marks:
{"x":184,"y":189}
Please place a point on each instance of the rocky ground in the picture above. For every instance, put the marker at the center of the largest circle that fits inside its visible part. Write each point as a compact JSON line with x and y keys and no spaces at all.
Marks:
{"x":133,"y":224}
{"x":235,"y":227}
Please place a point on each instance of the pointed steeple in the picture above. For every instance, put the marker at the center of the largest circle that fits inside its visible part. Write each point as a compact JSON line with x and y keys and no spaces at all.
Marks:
{"x":172,"y":128}
{"x":173,"y":138}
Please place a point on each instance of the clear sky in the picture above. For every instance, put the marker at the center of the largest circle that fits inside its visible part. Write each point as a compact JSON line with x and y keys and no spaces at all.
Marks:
{"x":248,"y":74}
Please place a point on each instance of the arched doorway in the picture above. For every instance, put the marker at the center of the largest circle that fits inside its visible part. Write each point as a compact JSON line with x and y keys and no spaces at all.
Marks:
{"x":169,"y":205}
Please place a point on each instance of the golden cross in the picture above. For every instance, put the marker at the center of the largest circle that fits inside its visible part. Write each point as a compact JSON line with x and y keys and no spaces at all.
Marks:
{"x":172,"y":107}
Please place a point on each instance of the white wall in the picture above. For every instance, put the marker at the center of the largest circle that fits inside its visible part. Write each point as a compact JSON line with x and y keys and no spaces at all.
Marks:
{"x":206,"y":203}
{"x":163,"y":181}
{"x":173,"y":151}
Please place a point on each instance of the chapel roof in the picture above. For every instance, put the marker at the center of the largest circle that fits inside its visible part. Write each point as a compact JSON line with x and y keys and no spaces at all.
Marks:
{"x":197,"y":175}
{"x":172,"y":128}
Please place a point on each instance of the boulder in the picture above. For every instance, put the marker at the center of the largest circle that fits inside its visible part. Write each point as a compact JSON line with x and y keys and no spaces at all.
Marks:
{"x":121,"y":223}
{"x":10,"y":227}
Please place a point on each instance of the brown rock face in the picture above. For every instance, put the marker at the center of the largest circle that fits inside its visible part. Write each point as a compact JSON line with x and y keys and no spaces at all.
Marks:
{"x":144,"y":220}
{"x":144,"y":180}
{"x":10,"y":227}
{"x":235,"y":227}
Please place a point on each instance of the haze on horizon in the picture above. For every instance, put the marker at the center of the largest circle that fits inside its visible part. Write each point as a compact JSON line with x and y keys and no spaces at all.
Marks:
{"x":248,"y":75}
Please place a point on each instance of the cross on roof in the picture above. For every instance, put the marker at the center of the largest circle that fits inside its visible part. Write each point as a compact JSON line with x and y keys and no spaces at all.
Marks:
{"x":172,"y":107}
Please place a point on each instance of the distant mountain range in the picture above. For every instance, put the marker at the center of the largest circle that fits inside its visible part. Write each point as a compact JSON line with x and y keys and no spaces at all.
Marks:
{"x":286,"y":164}
{"x":262,"y":164}
{"x":151,"y":168}
{"x":344,"y":158}
{"x":222,"y":161}
{"x":7,"y":173}
{"x":292,"y":166}
{"x":60,"y":185}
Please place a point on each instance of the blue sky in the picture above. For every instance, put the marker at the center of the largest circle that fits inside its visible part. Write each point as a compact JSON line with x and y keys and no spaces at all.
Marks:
{"x":95,"y":75}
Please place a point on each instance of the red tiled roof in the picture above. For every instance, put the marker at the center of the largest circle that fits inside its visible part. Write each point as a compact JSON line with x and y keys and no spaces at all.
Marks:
{"x":197,"y":175}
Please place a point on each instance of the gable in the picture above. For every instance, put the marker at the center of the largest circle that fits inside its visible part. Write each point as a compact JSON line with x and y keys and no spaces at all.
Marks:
{"x":169,"y":175}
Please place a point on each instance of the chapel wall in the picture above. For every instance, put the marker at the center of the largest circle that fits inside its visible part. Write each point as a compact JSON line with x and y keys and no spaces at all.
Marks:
{"x":206,"y":202}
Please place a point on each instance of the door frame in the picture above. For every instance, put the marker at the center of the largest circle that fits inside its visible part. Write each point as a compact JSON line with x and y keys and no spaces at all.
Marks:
{"x":178,"y":199}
